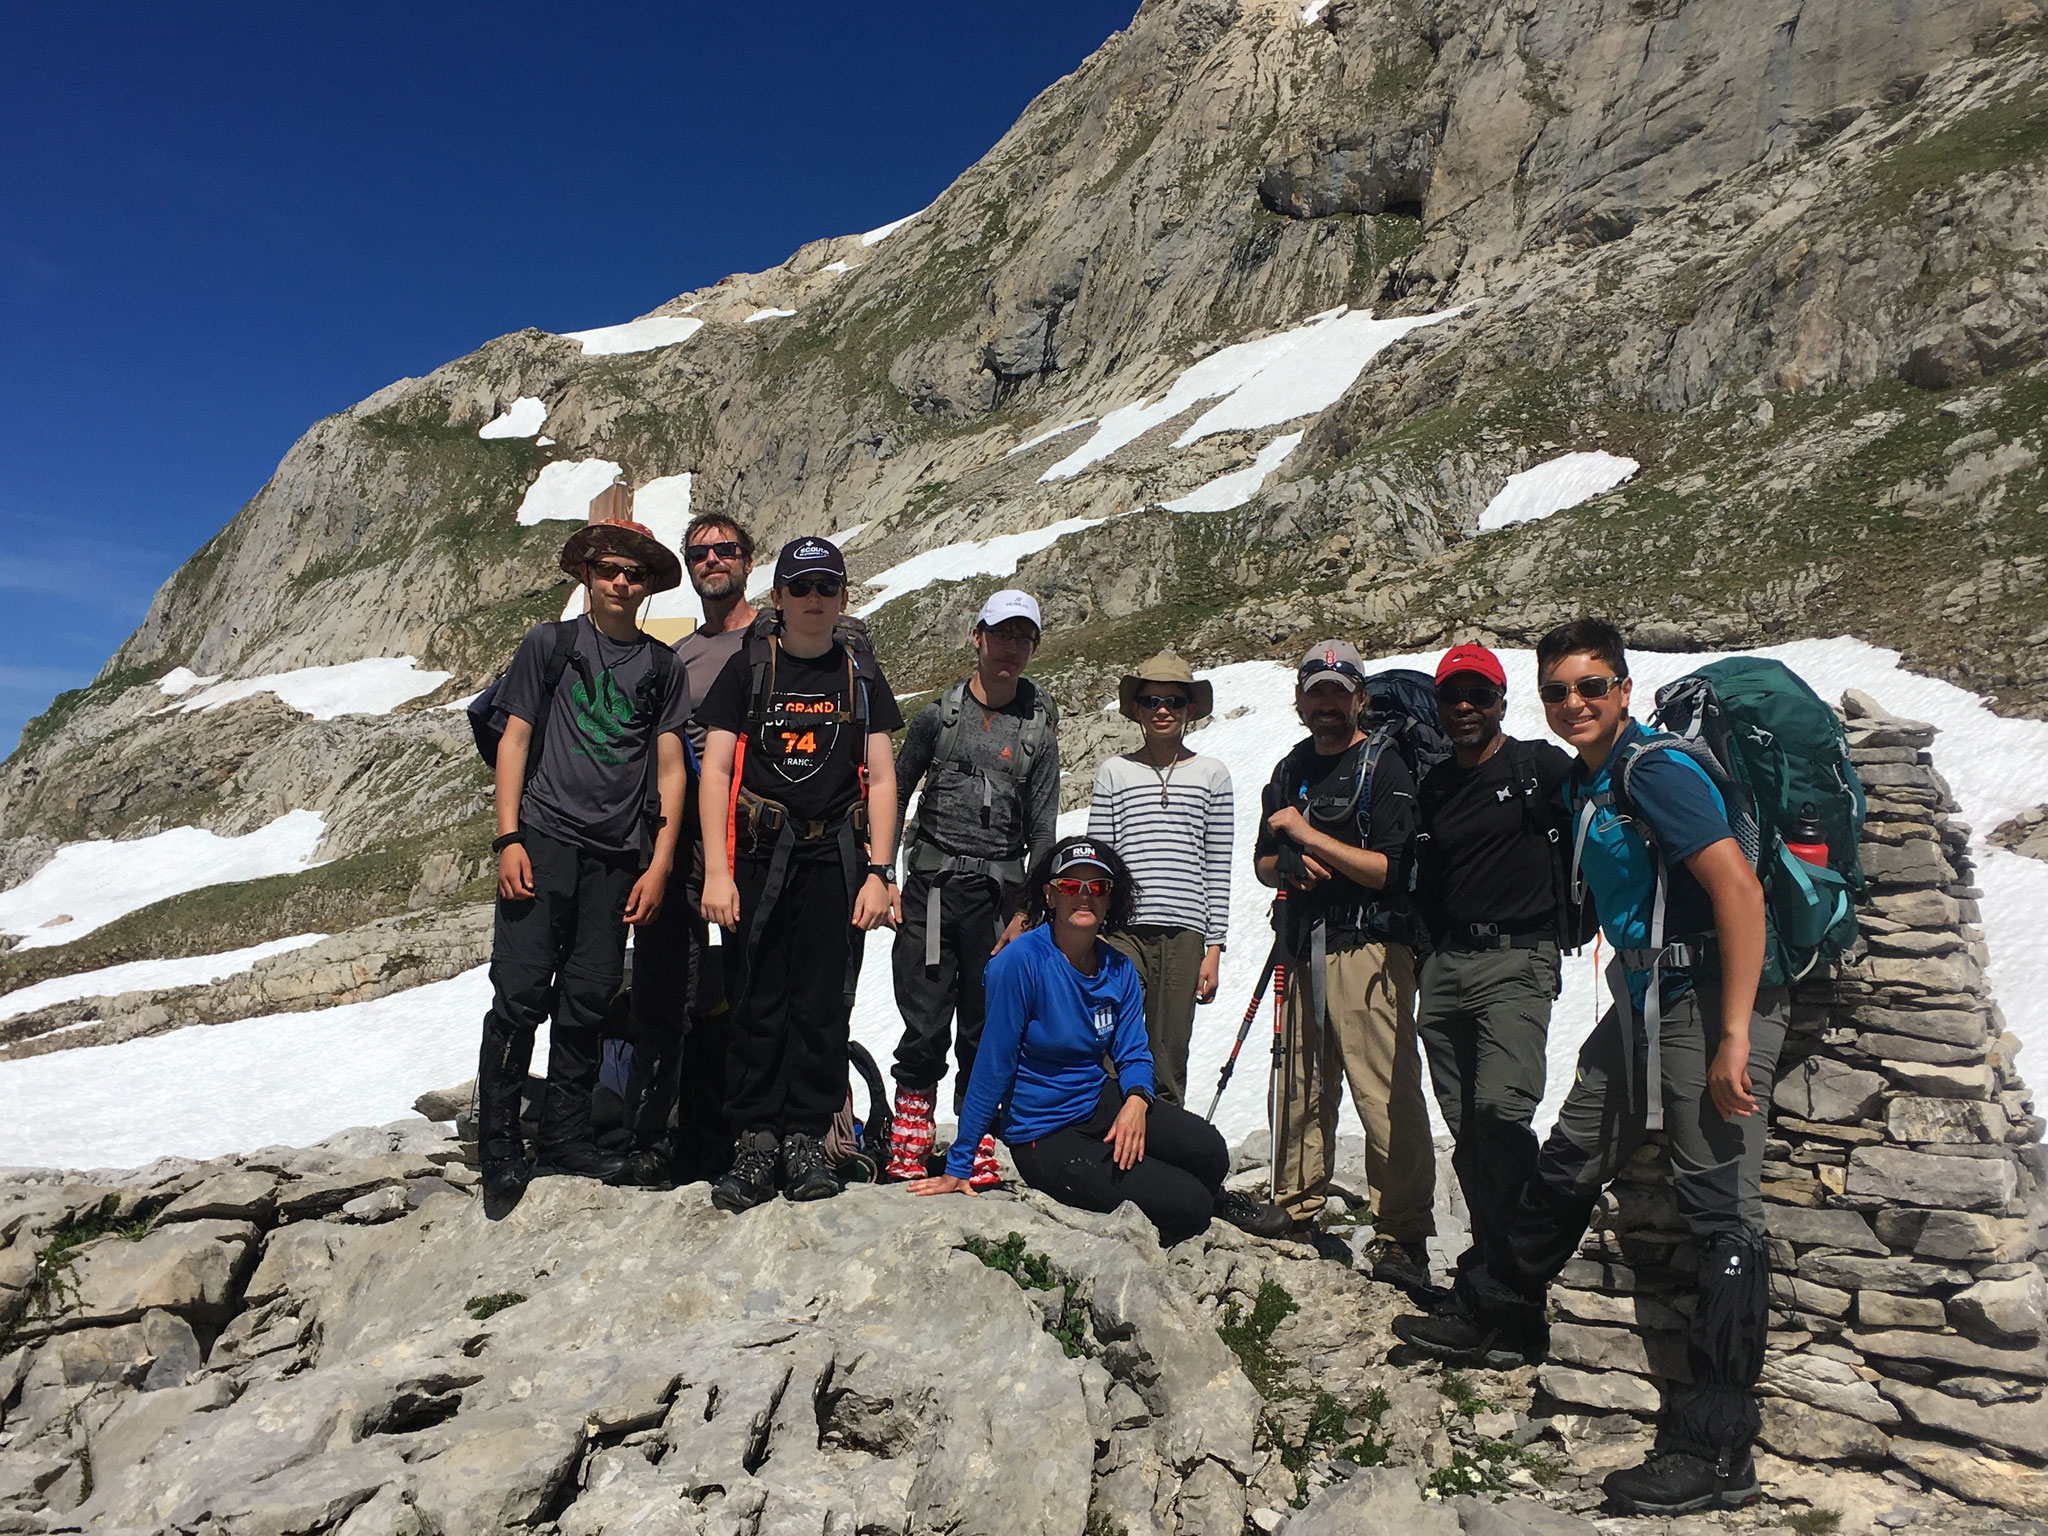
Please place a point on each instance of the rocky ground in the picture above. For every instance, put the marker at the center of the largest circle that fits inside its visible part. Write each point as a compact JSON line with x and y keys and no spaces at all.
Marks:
{"x":342,"y":1338}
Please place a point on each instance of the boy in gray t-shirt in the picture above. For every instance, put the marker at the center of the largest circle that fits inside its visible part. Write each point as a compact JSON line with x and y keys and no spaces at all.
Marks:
{"x":577,"y":857}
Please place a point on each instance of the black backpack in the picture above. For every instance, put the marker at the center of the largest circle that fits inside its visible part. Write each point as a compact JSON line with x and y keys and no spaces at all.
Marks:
{"x":862,"y":672}
{"x":1404,"y":712}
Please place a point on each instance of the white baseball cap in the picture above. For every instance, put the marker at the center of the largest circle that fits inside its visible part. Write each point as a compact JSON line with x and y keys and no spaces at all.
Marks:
{"x":1009,"y":604}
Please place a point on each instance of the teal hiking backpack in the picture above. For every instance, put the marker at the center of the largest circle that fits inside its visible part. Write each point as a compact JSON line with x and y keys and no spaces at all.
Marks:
{"x":1780,"y":758}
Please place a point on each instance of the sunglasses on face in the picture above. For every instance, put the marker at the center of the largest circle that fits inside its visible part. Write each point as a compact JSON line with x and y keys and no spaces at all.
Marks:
{"x":1175,"y":701}
{"x":721,"y":549}
{"x":1478,"y":695}
{"x":606,"y":570}
{"x":804,"y":586}
{"x":1081,"y":887}
{"x":1587,"y":688}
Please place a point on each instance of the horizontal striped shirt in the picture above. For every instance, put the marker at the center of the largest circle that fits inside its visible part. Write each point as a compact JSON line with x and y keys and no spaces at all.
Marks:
{"x":1179,"y":851}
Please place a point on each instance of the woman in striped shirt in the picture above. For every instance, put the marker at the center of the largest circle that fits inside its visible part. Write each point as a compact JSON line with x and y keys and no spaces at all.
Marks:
{"x":1168,"y":812}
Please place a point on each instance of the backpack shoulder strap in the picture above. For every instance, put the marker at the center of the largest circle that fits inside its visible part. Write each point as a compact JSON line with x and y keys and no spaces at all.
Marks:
{"x":1033,"y":734}
{"x":952,"y":704}
{"x":561,"y":651}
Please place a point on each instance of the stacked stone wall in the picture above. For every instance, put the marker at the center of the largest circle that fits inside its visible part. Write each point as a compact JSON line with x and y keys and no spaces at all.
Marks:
{"x":1905,"y":1183}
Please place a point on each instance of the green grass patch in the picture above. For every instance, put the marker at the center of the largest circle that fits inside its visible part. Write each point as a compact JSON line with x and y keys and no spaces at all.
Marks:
{"x":53,"y":1285}
{"x":1034,"y":1272}
{"x":1813,"y":1522}
{"x":67,"y":704}
{"x":1250,"y":1338}
{"x":483,"y":1307}
{"x":1488,"y":1467}
{"x":2007,"y":132}
{"x":1458,"y":1388}
{"x":1323,"y":1436}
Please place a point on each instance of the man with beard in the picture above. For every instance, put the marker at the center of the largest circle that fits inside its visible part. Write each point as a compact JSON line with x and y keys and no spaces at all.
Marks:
{"x":679,"y":1008}
{"x":1340,"y":821}
{"x":1490,"y":888}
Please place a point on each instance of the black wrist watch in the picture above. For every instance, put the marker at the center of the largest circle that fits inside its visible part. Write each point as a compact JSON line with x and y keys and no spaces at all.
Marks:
{"x":1141,"y":1093}
{"x":500,"y":844}
{"x":886,"y":871}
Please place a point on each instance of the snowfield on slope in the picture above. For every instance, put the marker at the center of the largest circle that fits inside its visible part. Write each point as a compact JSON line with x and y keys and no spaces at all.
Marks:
{"x":146,"y":976}
{"x":996,"y":556}
{"x":1553,"y":486}
{"x":1263,"y":383}
{"x":564,"y":490}
{"x":1240,"y":485}
{"x":374,"y":686}
{"x":88,"y":885}
{"x":645,"y":335}
{"x":522,"y":418}
{"x":300,"y":1076}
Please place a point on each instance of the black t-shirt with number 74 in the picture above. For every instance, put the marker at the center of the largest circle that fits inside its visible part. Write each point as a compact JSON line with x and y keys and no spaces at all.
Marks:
{"x":804,"y":754}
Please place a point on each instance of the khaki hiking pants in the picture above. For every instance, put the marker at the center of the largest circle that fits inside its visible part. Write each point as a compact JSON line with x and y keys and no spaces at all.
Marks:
{"x":1169,"y":962}
{"x":1369,"y":1038}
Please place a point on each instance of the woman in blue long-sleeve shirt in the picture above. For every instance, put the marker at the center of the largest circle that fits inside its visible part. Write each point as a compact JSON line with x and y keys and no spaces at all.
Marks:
{"x":1060,"y":1001}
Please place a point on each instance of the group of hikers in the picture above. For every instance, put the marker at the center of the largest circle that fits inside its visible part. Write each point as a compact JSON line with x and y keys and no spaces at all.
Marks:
{"x":739,"y":804}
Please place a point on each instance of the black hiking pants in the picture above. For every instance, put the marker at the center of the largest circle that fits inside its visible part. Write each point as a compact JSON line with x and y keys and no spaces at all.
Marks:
{"x":786,"y":1060}
{"x":1717,"y":1169}
{"x":1483,"y":1016}
{"x":679,"y":1036}
{"x":557,"y":955}
{"x":1178,"y":1183}
{"x":943,"y":1005}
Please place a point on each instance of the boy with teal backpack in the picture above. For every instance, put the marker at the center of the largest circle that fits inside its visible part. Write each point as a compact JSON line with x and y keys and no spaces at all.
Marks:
{"x":1698,"y":843}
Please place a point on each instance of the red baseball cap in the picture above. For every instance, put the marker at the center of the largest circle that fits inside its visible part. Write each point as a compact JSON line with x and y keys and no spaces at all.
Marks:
{"x":1472,"y":658}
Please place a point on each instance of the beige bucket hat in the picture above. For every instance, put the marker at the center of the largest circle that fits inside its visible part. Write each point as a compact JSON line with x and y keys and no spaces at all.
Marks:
{"x":1165,"y":668}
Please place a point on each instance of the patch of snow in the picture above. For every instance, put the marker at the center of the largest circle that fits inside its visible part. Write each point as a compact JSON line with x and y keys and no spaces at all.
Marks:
{"x":767,"y":314}
{"x":1239,"y":486}
{"x":1261,"y":383}
{"x":646,"y":335}
{"x":996,"y":556}
{"x":146,"y":976}
{"x":837,"y":266}
{"x":564,"y":490}
{"x":545,"y":441}
{"x":180,"y":681}
{"x":1313,"y":12}
{"x":877,"y":236}
{"x":1554,"y":485}
{"x":763,"y":580}
{"x":846,"y":536}
{"x":91,"y":884}
{"x":522,"y":418}
{"x":663,"y":505}
{"x":374,"y":686}
{"x":293,"y":1078}
{"x":462,"y":703}
{"x":1046,"y":437}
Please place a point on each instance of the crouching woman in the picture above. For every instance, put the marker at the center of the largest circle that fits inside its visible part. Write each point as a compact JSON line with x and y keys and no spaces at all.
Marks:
{"x":1060,"y":1000}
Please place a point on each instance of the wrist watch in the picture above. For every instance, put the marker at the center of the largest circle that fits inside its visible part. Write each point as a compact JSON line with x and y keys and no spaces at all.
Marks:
{"x":1141,"y":1093}
{"x":886,"y":871}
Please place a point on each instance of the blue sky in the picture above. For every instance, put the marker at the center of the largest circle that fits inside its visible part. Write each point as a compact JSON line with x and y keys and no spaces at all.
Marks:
{"x":224,"y":222}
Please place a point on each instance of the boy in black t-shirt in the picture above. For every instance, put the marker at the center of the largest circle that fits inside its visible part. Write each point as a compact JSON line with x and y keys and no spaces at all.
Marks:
{"x":576,"y":858}
{"x":805,"y":723}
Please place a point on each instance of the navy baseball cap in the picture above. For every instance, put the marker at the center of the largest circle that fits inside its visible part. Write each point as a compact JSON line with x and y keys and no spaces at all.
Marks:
{"x":809,"y":556}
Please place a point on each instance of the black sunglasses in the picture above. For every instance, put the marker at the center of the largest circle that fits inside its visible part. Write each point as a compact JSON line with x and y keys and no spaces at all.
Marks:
{"x":606,"y":570}
{"x":1479,"y":695}
{"x":1162,"y":701}
{"x":824,"y":586}
{"x":1588,"y":688}
{"x":723,"y":549}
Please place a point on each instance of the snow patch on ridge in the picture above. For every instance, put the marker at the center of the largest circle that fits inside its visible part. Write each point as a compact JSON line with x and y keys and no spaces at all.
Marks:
{"x":146,"y":976}
{"x":767,"y":314}
{"x":996,"y":556}
{"x":564,"y":490}
{"x":374,"y":686}
{"x":1554,"y":485}
{"x":877,"y":236}
{"x":180,"y":681}
{"x":636,"y":335}
{"x":1240,"y":485}
{"x":88,"y":885}
{"x":1313,"y":12}
{"x":522,"y":418}
{"x":1262,"y":383}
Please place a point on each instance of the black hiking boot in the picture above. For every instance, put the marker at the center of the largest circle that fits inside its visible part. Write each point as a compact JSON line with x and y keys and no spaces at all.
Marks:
{"x":579,"y":1162}
{"x":1677,"y":1483}
{"x":1454,"y":1336}
{"x":648,"y":1170}
{"x":804,"y":1174}
{"x":1261,"y":1218}
{"x":504,"y":1178}
{"x":751,"y":1179}
{"x":1403,"y":1265}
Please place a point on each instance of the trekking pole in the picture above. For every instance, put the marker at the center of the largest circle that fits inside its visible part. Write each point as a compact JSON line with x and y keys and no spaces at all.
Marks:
{"x":1251,"y":1011}
{"x":1277,"y":1111}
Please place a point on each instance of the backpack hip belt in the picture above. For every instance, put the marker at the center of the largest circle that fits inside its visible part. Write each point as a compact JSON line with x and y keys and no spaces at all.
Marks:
{"x":762,"y":818}
{"x":1493,"y":936}
{"x":928,"y":858}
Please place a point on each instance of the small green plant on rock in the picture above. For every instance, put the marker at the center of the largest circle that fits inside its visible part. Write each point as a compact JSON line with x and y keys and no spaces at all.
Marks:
{"x":1487,"y":1468}
{"x":1458,"y":1389}
{"x":53,"y":1283}
{"x":1814,"y":1522}
{"x":1034,"y":1272}
{"x":1250,"y":1338}
{"x":482,"y":1307}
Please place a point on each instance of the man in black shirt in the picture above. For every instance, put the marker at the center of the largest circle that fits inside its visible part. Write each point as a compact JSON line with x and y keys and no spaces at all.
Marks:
{"x":1337,"y":832}
{"x":1489,"y":886}
{"x":803,"y":719}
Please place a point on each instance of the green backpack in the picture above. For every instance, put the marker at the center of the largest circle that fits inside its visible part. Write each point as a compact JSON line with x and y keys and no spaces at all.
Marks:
{"x":1778,"y":755}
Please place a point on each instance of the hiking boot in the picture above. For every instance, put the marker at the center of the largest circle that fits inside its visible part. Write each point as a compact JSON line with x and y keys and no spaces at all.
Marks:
{"x":1404,"y":1265}
{"x":1328,"y":1245}
{"x":1261,"y":1218}
{"x":910,"y":1134}
{"x":1677,"y":1483}
{"x":986,"y":1173}
{"x":504,"y":1178}
{"x":751,"y":1179}
{"x":804,"y":1174}
{"x":579,"y":1162}
{"x":1454,"y":1336}
{"x":648,"y":1170}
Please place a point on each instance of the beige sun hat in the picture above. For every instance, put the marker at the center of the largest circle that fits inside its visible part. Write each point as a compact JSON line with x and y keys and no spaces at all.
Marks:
{"x":1165,"y":668}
